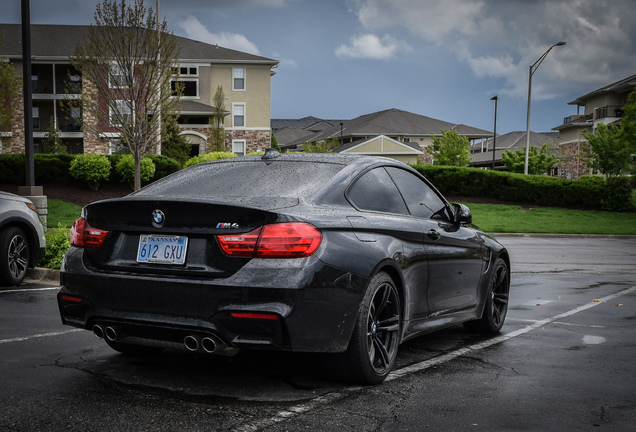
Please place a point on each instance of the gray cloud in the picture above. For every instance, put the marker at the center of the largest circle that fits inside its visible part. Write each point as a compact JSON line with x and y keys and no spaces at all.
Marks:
{"x":500,"y":39}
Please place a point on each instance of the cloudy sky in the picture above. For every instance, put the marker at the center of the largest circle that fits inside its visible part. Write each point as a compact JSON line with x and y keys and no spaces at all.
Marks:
{"x":444,"y":59}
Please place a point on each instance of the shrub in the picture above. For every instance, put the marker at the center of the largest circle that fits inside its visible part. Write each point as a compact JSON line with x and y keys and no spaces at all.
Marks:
{"x":58,"y":240}
{"x":537,"y":189}
{"x":208,"y":157}
{"x":12,"y":168}
{"x":164,"y":165}
{"x":53,"y":168}
{"x":617,"y":194}
{"x":126,"y":168}
{"x":91,"y":169}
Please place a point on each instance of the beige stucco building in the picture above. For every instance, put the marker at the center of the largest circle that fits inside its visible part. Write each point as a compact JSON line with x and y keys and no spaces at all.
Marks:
{"x":245,"y":78}
{"x":604,"y":105}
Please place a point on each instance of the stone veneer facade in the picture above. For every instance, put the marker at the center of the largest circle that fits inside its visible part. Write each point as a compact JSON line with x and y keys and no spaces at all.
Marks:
{"x":572,"y":163}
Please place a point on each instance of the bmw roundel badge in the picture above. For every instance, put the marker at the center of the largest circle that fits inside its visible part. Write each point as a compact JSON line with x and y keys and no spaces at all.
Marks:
{"x":158,"y":217}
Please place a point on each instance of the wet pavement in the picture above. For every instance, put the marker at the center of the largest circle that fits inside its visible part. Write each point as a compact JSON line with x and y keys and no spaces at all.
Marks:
{"x":564,"y":361}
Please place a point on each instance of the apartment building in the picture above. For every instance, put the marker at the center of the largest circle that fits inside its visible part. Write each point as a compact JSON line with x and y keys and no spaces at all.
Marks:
{"x":604,"y":105}
{"x":245,"y":78}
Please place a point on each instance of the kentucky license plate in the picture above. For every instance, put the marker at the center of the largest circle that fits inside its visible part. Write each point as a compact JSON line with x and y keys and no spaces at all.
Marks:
{"x":162,"y":249}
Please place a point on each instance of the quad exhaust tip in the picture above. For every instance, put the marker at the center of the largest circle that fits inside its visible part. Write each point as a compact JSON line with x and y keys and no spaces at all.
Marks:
{"x":111,"y":333}
{"x":191,"y":343}
{"x":98,"y":331}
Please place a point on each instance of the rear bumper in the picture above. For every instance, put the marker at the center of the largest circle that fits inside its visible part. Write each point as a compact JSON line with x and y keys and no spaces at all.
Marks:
{"x":314,"y":305}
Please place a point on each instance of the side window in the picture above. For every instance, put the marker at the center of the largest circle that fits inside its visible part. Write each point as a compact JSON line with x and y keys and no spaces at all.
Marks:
{"x":238,"y":82}
{"x":421,"y":200}
{"x":376,"y":191}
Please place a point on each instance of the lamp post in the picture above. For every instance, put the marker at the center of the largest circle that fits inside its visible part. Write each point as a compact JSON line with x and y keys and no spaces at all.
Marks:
{"x":533,"y":69}
{"x":494,"y":133}
{"x":341,"y":141}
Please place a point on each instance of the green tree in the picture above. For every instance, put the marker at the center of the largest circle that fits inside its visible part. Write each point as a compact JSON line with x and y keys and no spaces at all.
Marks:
{"x":10,"y":84}
{"x":126,"y":168}
{"x":52,"y":142}
{"x":450,"y":149}
{"x":539,"y":162}
{"x":627,"y":133}
{"x":321,"y":147}
{"x":173,"y":144}
{"x":608,"y":153}
{"x":127,"y":63}
{"x":217,"y":131}
{"x":275,"y":145}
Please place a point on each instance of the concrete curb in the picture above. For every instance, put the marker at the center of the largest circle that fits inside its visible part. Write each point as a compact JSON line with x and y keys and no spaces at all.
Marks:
{"x":39,"y":274}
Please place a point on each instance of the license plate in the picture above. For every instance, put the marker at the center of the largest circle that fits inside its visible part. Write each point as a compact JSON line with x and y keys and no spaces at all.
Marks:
{"x":162,"y":249}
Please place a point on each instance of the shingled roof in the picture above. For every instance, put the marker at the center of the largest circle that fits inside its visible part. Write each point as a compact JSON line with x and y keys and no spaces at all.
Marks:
{"x":624,"y":85}
{"x":392,"y":122}
{"x":59,"y":41}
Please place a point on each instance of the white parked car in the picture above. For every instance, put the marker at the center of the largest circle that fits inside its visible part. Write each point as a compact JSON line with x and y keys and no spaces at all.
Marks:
{"x":22,"y":242}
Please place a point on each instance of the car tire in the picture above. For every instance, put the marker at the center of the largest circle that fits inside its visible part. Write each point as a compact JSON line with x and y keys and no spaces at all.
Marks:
{"x":496,"y":305}
{"x":374,"y":344}
{"x":15,"y":255}
{"x":130,"y":349}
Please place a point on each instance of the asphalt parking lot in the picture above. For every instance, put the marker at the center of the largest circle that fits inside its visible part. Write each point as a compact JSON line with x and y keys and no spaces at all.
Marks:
{"x":564,"y":361}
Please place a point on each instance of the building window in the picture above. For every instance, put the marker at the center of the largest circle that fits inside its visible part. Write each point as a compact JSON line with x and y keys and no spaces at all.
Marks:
{"x":118,"y":77}
{"x":189,"y":88}
{"x":186,"y":71}
{"x":115,"y":146}
{"x":76,"y":119}
{"x":35,"y":86}
{"x":120,"y":114}
{"x":238,"y":83}
{"x":36,"y":118}
{"x":238,"y":115}
{"x":238,"y":147}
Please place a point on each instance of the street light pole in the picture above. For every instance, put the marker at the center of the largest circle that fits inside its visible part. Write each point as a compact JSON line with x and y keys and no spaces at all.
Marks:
{"x":494,"y":133}
{"x":533,"y":69}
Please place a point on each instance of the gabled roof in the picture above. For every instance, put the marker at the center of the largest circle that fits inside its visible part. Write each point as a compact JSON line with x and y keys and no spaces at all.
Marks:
{"x":510,"y":141}
{"x":312,"y":124}
{"x":59,"y":41}
{"x":289,"y":134}
{"x":408,"y":148}
{"x":394,"y":122}
{"x":188,"y":107}
{"x":622,"y":86}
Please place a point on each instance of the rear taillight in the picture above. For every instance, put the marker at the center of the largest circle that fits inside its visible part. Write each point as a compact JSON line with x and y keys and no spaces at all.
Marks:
{"x":85,"y":236}
{"x":285,"y":240}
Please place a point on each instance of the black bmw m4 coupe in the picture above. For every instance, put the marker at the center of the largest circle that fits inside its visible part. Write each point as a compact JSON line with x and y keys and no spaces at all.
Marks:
{"x":350,"y":255}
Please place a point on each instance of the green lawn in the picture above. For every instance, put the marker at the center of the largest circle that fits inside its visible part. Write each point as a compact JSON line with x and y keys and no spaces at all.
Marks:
{"x":491,"y":218}
{"x":512,"y":219}
{"x":61,"y":212}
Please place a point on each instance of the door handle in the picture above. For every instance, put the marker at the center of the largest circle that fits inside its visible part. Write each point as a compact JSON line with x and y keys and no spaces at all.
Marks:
{"x":433,"y":235}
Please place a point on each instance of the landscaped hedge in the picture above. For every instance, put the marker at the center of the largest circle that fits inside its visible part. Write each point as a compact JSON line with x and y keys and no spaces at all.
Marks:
{"x":48,"y":168}
{"x":541,"y":190}
{"x":54,"y":168}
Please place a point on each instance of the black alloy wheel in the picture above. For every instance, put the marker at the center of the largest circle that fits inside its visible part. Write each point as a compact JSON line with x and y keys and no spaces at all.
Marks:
{"x":374,"y":344}
{"x":497,"y":298}
{"x":14,"y":256}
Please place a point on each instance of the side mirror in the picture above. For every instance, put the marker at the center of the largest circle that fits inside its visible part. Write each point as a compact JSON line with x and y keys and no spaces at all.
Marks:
{"x":462,"y":214}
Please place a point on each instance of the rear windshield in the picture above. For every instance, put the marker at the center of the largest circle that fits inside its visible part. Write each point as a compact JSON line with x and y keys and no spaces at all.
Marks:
{"x":290,"y":179}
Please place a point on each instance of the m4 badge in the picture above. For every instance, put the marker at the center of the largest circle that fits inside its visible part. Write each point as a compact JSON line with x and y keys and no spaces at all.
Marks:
{"x":227,"y":225}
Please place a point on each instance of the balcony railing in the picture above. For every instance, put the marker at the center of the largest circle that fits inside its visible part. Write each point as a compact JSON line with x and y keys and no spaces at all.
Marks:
{"x":608,"y":111}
